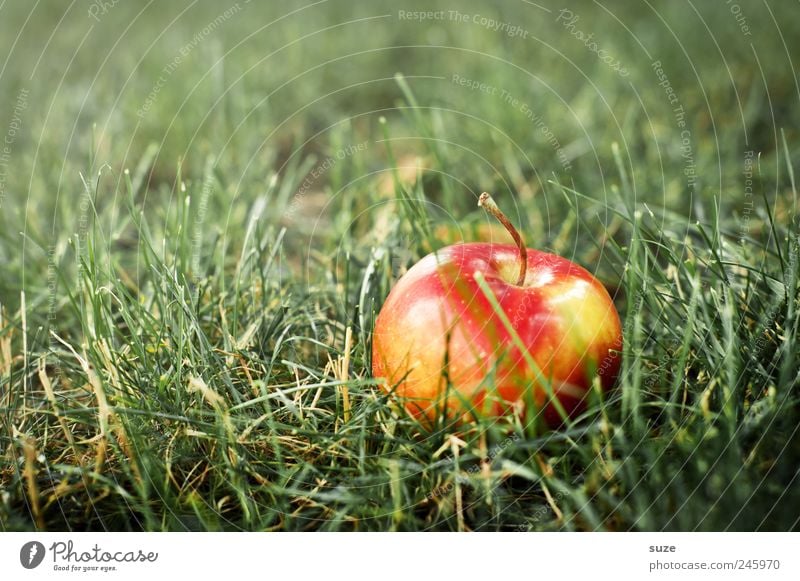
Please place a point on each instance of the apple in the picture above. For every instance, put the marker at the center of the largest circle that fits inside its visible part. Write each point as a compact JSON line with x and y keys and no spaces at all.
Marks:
{"x":484,"y":329}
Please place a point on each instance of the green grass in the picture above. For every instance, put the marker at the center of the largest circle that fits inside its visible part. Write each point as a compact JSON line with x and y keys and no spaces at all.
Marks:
{"x":177,"y":286}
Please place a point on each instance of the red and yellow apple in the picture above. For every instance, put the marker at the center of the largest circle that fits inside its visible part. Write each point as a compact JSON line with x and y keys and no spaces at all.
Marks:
{"x":448,"y":338}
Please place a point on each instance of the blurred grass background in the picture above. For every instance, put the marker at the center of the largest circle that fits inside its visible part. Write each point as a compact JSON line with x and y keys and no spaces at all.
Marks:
{"x":199,"y":198}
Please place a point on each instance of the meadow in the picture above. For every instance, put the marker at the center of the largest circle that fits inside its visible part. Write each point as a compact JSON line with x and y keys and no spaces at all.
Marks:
{"x":198,"y":200}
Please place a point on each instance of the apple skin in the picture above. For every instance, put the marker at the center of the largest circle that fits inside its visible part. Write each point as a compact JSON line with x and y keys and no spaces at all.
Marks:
{"x":437,"y":324}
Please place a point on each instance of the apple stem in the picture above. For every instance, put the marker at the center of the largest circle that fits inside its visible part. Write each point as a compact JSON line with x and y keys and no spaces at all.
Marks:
{"x":487,"y":203}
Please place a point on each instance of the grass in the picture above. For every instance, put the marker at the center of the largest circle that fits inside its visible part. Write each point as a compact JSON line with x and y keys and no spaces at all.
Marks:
{"x":188,"y":291}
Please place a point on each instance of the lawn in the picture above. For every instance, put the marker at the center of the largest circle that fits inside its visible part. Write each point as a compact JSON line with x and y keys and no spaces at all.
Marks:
{"x":200,"y":203}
